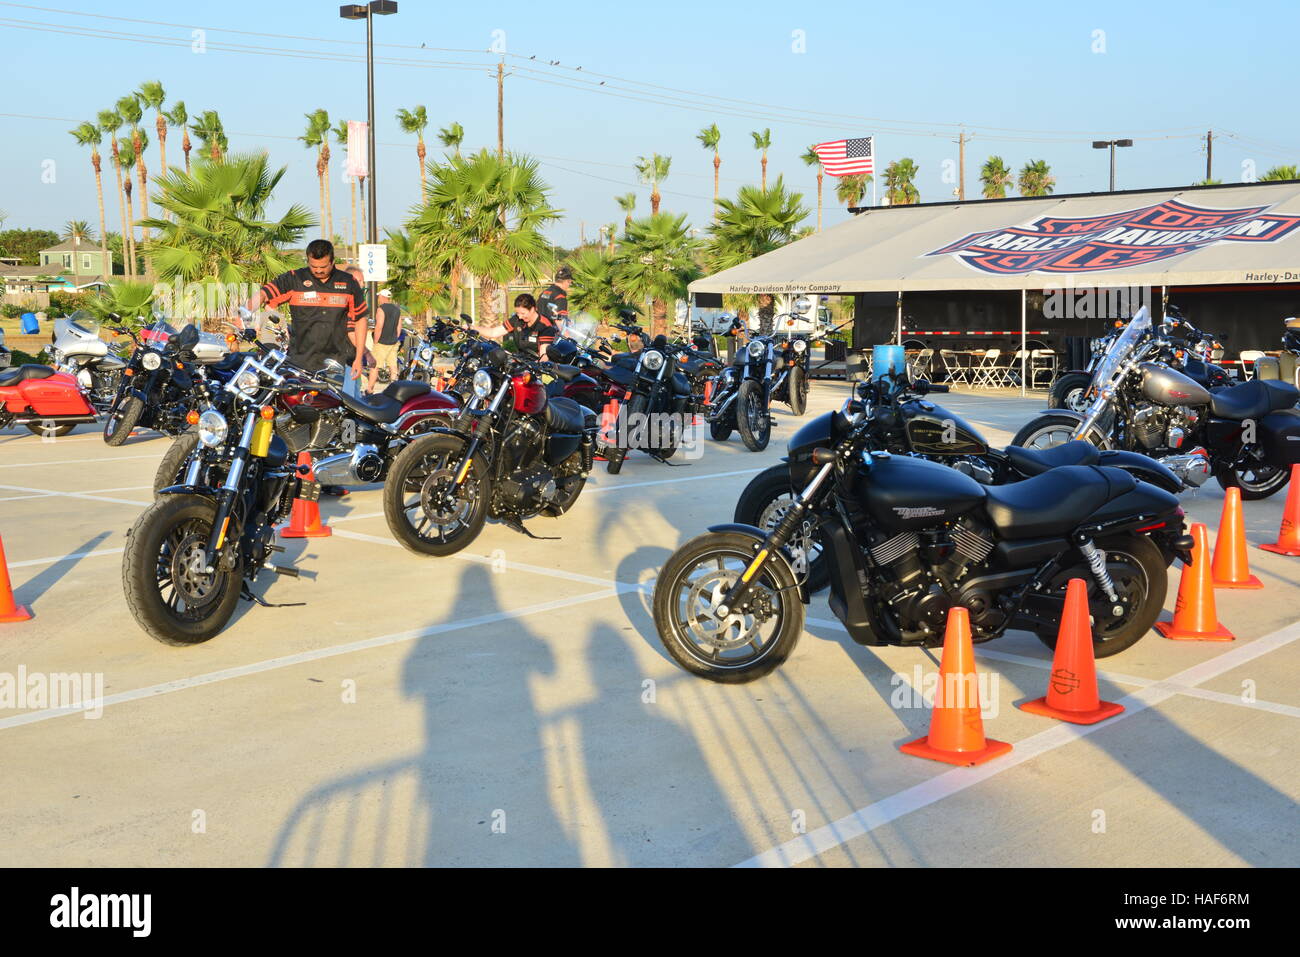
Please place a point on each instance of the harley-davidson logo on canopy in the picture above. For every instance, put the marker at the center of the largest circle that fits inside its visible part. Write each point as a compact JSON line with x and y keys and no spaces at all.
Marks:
{"x":1083,"y":244}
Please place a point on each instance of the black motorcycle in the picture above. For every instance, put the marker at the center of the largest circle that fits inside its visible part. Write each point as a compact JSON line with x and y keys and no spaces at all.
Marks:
{"x":742,"y":396}
{"x":906,"y":540}
{"x":521,"y":453}
{"x":196,"y":550}
{"x":791,"y":385}
{"x":902,"y":421}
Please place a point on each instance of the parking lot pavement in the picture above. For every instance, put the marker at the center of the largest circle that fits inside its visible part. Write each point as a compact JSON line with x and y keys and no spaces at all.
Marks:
{"x":512,"y":705}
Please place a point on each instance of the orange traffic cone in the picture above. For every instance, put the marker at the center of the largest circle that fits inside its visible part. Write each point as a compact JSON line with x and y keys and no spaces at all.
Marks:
{"x":1195,"y":617}
{"x":956,"y":728}
{"x":1231,"y":568}
{"x":1288,"y":538}
{"x":1072,"y":690}
{"x":9,"y":609}
{"x":304,"y":520}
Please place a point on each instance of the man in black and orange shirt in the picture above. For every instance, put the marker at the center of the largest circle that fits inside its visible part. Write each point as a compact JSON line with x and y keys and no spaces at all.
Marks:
{"x":326,"y":307}
{"x":553,"y":303}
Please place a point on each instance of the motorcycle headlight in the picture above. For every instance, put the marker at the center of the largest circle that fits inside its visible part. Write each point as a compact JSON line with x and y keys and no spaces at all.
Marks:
{"x":653,"y":360}
{"x":212,"y":428}
{"x":151,"y":361}
{"x":800,"y":345}
{"x":247,"y":383}
{"x":756,"y":349}
{"x":426,"y":353}
{"x":482,"y":383}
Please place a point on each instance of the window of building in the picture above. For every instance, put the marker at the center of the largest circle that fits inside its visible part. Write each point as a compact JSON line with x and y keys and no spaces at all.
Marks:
{"x":85,"y":260}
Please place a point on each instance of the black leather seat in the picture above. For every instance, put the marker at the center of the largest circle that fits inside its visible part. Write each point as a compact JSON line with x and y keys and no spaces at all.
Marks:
{"x":1037,"y":461}
{"x":404,"y":390}
{"x":19,"y":373}
{"x":1253,"y":400}
{"x":621,"y":374}
{"x":380,"y":409}
{"x":564,"y":373}
{"x":564,"y":415}
{"x":1054,"y":502}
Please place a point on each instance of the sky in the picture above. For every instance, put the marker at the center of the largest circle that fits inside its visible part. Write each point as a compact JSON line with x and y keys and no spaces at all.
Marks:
{"x":1026,"y":80}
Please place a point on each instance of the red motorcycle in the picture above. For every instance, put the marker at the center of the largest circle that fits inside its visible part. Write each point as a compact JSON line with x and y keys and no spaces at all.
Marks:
{"x":48,"y":402}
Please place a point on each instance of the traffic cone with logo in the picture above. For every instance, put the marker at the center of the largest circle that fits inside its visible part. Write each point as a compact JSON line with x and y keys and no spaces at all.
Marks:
{"x":1288,"y":537}
{"x":9,"y":609}
{"x":1195,"y":617}
{"x":305,"y":520}
{"x":1231,"y":568}
{"x":1072,"y":689}
{"x":956,"y":728}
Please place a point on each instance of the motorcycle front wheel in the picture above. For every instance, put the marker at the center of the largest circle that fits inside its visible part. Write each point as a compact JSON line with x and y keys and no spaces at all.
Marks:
{"x":426,"y":510}
{"x":171,"y":596}
{"x":753,"y":421}
{"x":120,"y":423}
{"x":746,"y":644}
{"x":175,"y":461}
{"x":797,"y":385}
{"x":1052,"y":429}
{"x":1070,"y":391}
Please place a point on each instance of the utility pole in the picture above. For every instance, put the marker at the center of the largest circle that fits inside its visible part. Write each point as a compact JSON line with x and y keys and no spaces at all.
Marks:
{"x":961,"y":166}
{"x":1209,"y":155}
{"x":501,"y":109}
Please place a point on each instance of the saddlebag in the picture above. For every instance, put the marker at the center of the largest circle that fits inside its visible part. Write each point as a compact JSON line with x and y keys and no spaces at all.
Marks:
{"x":1279,"y":437}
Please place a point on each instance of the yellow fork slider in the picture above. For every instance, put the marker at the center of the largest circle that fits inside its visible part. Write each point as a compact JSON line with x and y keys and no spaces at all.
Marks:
{"x":753,"y":566}
{"x":221,"y":539}
{"x":464,"y":470}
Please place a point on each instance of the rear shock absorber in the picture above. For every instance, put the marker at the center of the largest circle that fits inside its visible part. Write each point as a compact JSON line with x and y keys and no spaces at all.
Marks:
{"x":1097,"y":563}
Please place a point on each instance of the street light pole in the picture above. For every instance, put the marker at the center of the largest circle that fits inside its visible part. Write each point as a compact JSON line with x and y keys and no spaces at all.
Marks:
{"x":1111,"y":144}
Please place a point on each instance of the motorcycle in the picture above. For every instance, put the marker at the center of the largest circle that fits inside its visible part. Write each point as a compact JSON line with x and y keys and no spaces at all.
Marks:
{"x":1247,"y":435}
{"x":650,"y":401}
{"x":791,"y":385}
{"x":197,"y":549}
{"x":742,"y":396}
{"x":904,"y":422}
{"x":77,"y":349}
{"x":521,"y":453}
{"x":1286,"y":366}
{"x":907,"y":539}
{"x":48,"y":402}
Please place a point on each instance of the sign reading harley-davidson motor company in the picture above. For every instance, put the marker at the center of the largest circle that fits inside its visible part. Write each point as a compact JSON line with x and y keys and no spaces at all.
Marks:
{"x":1055,"y":244}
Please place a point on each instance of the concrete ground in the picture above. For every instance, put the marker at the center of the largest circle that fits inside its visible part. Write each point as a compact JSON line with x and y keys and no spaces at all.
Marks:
{"x":513,"y":706}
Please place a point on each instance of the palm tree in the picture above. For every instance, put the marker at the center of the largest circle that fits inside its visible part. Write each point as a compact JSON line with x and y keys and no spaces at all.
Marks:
{"x":709,"y":138}
{"x":996,"y":177}
{"x":88,"y":134}
{"x":761,"y":142}
{"x":451,"y":137}
{"x":485,"y":213}
{"x":611,"y":232}
{"x":755,"y":222}
{"x":899,"y":182}
{"x":810,"y":158}
{"x":593,"y":289}
{"x":128,"y":107}
{"x":312,"y":138}
{"x":411,"y":286}
{"x":1279,"y":173}
{"x":110,"y":123}
{"x":79,"y":231}
{"x":341,"y":137}
{"x":653,"y":171}
{"x":1036,"y":179}
{"x":121,"y":298}
{"x":1208,"y":182}
{"x":179,"y":118}
{"x":656,"y":261}
{"x":414,"y":121}
{"x":627,"y":203}
{"x":321,"y":120}
{"x":128,"y":159}
{"x":211,"y":133}
{"x":851,"y":189}
{"x":152,"y":95}
{"x":218,"y":230}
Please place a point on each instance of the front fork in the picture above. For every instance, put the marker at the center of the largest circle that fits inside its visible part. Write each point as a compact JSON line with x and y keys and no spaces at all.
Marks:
{"x":226,"y":496}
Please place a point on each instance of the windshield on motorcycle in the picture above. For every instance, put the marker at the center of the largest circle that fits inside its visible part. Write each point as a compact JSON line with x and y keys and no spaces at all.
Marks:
{"x":1123,"y":346}
{"x":80,"y":323}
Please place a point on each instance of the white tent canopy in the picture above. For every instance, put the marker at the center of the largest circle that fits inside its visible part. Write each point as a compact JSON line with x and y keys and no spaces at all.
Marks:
{"x":1247,"y":233}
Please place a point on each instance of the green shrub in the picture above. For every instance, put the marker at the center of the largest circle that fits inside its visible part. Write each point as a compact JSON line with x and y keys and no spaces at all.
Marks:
{"x":11,"y":310}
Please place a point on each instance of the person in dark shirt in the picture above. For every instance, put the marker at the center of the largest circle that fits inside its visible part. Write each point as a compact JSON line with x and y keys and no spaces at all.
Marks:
{"x":553,"y":303}
{"x":326,"y":307}
{"x":533,"y":331}
{"x":388,"y":330}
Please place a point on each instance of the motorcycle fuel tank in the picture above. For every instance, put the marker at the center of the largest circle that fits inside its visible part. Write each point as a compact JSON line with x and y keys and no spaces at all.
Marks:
{"x":908,"y":494}
{"x":933,"y":430}
{"x":1164,"y":385}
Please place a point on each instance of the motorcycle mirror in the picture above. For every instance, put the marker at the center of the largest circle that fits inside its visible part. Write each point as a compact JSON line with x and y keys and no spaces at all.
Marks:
{"x":250,"y":335}
{"x":333,"y":365}
{"x":469,"y":321}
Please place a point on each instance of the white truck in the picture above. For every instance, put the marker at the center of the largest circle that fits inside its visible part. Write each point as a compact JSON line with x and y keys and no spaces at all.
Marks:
{"x":795,"y":313}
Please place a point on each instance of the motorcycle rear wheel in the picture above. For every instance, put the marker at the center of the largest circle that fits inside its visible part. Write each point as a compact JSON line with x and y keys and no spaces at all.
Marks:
{"x":1070,"y":392}
{"x":48,"y":429}
{"x":120,"y":424}
{"x":1255,"y":482}
{"x":764,"y":502}
{"x":172,"y":599}
{"x":175,"y":461}
{"x":753,"y":422}
{"x":419,"y":475}
{"x":742,"y":647}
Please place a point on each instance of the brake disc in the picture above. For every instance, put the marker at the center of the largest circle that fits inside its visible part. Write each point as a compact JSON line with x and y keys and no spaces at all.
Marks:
{"x":187,"y":570}
{"x":438,"y":499}
{"x":737,"y":629}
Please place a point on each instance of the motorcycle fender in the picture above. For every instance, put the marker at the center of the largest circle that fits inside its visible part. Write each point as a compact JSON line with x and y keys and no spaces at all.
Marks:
{"x":759,"y":536}
{"x":1143,"y":469}
{"x":200,"y":490}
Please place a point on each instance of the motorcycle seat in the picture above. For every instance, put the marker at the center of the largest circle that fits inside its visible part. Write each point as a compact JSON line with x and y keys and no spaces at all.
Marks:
{"x":1253,"y":400}
{"x":380,"y":409}
{"x":564,"y":373}
{"x":404,"y":390}
{"x":1055,"y":502}
{"x":564,"y":415}
{"x":19,"y":373}
{"x":620,"y":374}
{"x":1037,"y":461}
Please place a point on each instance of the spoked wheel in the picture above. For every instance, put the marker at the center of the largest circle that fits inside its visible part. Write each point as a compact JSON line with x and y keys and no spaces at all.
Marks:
{"x":119,"y":423}
{"x":753,"y":419}
{"x":1048,"y":431}
{"x":1070,"y":391}
{"x":1255,"y":479}
{"x":1141,"y":579}
{"x":746,"y":644}
{"x":764,"y":503}
{"x":168,"y":589}
{"x":427,"y":510}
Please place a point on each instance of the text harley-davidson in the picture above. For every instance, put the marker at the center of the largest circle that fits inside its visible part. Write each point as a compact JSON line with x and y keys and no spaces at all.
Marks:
{"x":907,"y":539}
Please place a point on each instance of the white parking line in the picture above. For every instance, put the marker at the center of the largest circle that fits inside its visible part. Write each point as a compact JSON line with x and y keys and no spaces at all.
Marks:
{"x":100,"y":461}
{"x":86,"y":495}
{"x":317,"y":654}
{"x":71,"y":556}
{"x":867,"y":819}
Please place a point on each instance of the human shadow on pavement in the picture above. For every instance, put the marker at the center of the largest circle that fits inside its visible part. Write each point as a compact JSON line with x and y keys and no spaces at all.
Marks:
{"x":31,"y":590}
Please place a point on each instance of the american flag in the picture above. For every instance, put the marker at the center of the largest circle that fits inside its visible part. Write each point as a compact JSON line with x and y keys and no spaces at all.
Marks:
{"x":847,"y":157}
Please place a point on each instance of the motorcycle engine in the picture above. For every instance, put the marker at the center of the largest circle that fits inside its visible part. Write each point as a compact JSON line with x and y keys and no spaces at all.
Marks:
{"x":968,"y":465}
{"x":1182,"y":421}
{"x":525,"y":492}
{"x":1150,"y":425}
{"x":927,"y":570}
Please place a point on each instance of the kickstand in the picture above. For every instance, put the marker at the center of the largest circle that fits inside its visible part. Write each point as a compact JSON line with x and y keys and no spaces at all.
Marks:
{"x":247,"y":594}
{"x":518,"y":527}
{"x":666,"y":462}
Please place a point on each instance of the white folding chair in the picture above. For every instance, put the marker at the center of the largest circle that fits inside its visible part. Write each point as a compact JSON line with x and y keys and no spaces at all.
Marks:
{"x":953,"y":369}
{"x":984,"y":373}
{"x":1041,"y":361}
{"x":918,"y":365}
